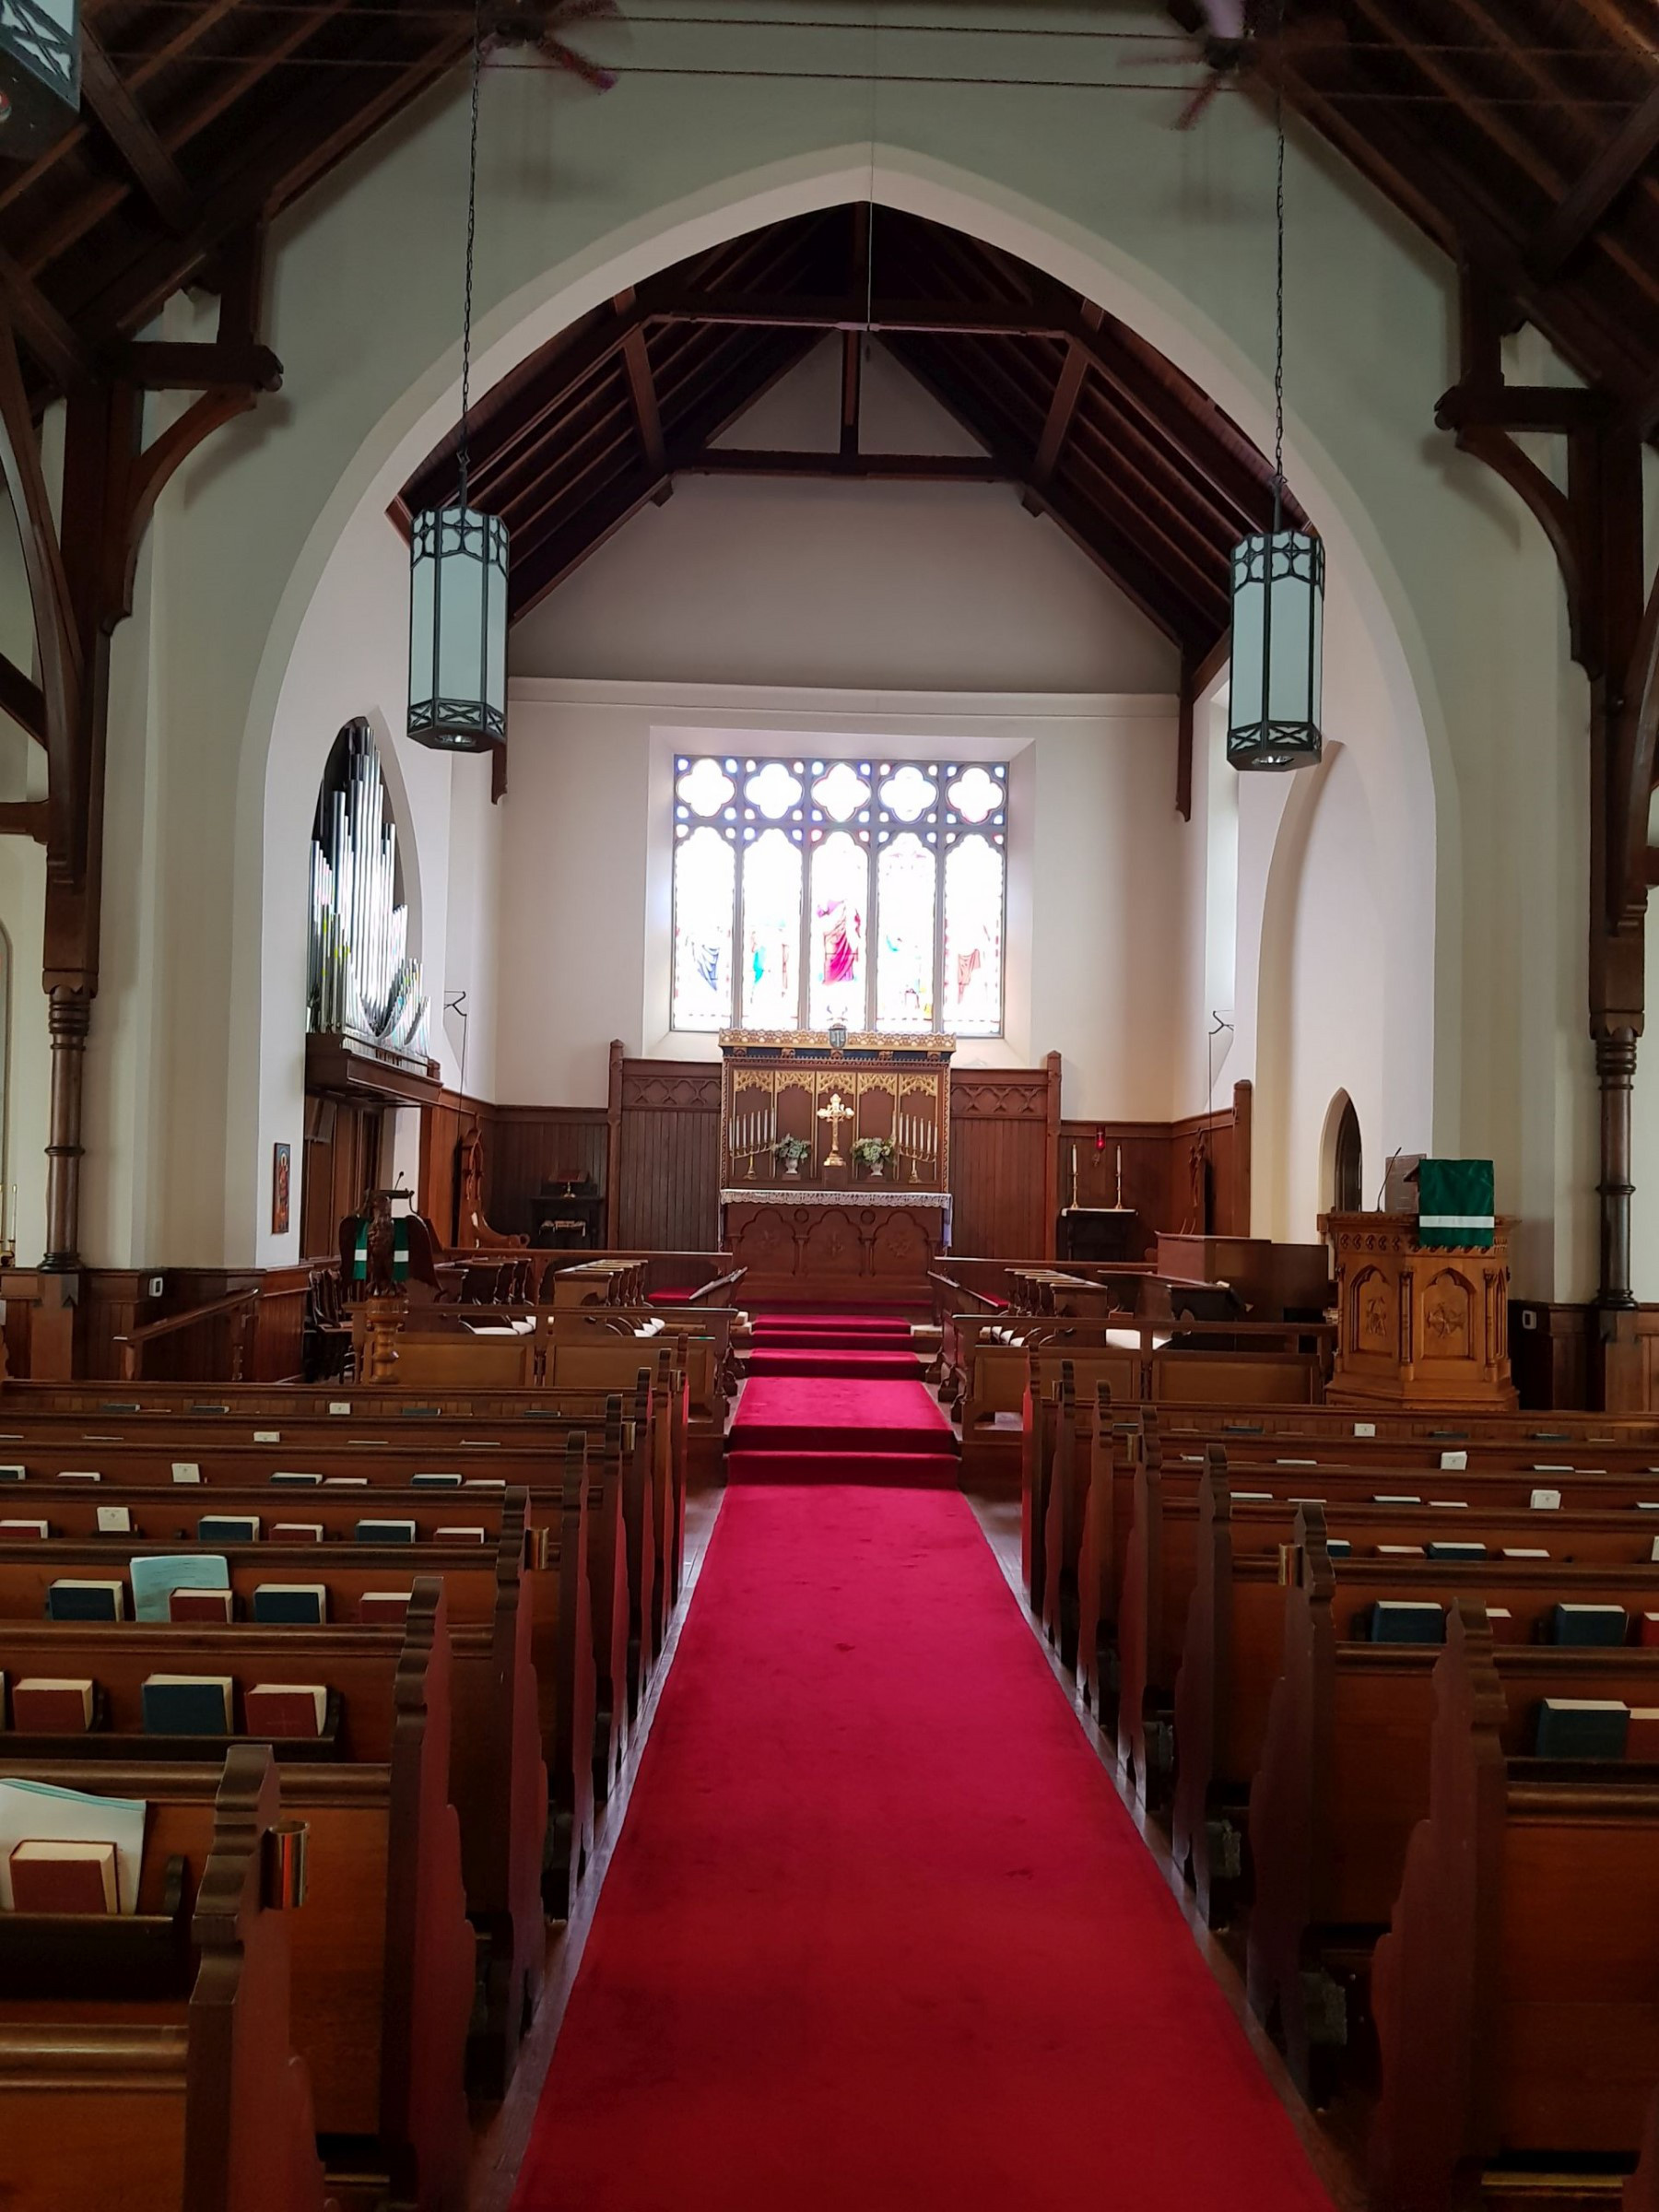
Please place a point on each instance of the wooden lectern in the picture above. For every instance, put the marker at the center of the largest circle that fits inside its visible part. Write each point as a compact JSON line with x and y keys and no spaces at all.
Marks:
{"x":1415,"y":1327}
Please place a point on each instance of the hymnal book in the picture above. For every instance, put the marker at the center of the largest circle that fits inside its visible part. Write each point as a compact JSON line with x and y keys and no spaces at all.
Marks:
{"x":1365,"y":1428}
{"x":199,"y":1604}
{"x":267,"y":1436}
{"x":304,"y":1604}
{"x":1454,"y":1462}
{"x":1451,"y":1505}
{"x":156,"y":1576}
{"x":1654,"y":1552}
{"x":434,"y":1482}
{"x":1543,"y":1467}
{"x":86,"y":1598}
{"x":296,"y":1531}
{"x":79,"y":1475}
{"x":1647,"y":1628}
{"x":1399,"y":1551}
{"x":51,"y":1877}
{"x":486,"y":1482}
{"x":1581,"y":1728}
{"x":1304,"y":1502}
{"x":384,"y":1608}
{"x":187,"y":1704}
{"x":1296,"y":1463}
{"x":1457,"y":1551}
{"x":1546,"y":1502}
{"x":186,"y":1470}
{"x":1384,"y":1498}
{"x":114,"y":1520}
{"x":1524,"y":1551}
{"x":31,"y":1812}
{"x":1338,"y":1547}
{"x":24,"y":1532}
{"x":459,"y":1535}
{"x":1404,"y":1621}
{"x":1642,"y":1739}
{"x":228,"y":1528}
{"x":300,"y":1481}
{"x":52,"y":1705}
{"x":384,"y":1532}
{"x":1252,"y":1497}
{"x":284,"y":1709}
{"x":14,"y":1474}
{"x":345,"y":1482}
{"x":1587,"y":1624}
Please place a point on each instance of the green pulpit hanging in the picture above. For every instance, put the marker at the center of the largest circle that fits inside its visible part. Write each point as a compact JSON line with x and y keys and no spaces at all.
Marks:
{"x":1456,"y":1205}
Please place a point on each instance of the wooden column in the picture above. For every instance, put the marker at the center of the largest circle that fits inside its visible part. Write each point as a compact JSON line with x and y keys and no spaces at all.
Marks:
{"x":68,"y":1017}
{"x":1616,"y":1073}
{"x":613,"y":1143}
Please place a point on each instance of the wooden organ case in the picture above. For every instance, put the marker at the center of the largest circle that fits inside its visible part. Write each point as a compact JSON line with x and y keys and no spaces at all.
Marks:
{"x":835,"y":1163}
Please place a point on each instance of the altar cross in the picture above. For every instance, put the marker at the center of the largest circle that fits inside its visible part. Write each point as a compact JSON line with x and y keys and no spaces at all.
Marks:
{"x":835,"y":1113}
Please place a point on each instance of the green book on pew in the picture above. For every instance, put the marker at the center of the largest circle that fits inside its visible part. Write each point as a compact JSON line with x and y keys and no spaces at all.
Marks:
{"x":187,"y":1704}
{"x":1404,"y":1620}
{"x":303,"y":1605}
{"x":77,"y":1597}
{"x":1457,"y":1551}
{"x":1587,"y":1624}
{"x":384,"y":1532}
{"x":1581,"y":1728}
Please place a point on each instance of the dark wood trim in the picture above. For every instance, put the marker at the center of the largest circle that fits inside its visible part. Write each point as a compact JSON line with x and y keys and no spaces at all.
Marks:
{"x":183,"y":366}
{"x":134,"y":137}
{"x":22,"y":699}
{"x":1587,"y":200}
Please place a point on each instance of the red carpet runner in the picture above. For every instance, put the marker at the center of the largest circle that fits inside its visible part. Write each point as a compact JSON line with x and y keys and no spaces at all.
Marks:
{"x":878,"y":1933}
{"x":826,"y":1390}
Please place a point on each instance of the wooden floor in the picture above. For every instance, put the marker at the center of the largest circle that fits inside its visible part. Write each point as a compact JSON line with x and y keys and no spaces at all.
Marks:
{"x":504,"y":2134}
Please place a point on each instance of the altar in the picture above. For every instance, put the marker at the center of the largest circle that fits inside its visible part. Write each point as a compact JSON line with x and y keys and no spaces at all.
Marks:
{"x":835,"y":1163}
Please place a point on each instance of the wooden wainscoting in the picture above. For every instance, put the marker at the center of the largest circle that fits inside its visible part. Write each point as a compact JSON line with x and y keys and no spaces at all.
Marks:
{"x":1005,"y":1125}
{"x":665,"y":1154}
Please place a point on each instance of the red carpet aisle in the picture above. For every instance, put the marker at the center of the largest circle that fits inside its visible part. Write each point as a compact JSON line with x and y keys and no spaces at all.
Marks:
{"x":823,"y":1390}
{"x":878,"y":1933}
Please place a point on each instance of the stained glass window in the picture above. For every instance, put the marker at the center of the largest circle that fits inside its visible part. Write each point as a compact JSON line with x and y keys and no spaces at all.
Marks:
{"x":812,"y":892}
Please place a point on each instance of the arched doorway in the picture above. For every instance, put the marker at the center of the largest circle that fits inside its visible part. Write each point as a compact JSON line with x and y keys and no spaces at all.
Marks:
{"x":1348,"y":1163}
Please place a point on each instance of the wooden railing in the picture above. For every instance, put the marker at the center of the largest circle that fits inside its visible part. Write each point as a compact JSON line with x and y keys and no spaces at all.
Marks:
{"x":238,"y":1303}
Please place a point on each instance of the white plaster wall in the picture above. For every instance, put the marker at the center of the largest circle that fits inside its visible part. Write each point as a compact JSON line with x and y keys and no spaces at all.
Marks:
{"x":1445,"y":656}
{"x":1094,"y":839}
{"x":903,"y":586}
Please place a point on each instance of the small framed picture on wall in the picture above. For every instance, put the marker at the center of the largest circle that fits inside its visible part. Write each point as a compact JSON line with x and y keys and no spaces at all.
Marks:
{"x":280,"y":1171}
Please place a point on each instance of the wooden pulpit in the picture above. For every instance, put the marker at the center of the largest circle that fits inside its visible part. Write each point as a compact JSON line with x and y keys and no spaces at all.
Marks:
{"x":1419,"y":1326}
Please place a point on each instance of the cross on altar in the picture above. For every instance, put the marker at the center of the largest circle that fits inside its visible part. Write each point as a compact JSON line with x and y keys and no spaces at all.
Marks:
{"x":835,"y":1113}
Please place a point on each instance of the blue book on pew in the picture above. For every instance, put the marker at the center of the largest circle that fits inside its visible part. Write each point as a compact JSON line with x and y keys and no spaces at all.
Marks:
{"x":80,"y":1598}
{"x":303,"y":1605}
{"x":14,"y":1474}
{"x":1457,"y":1551}
{"x":1581,"y":1728}
{"x":1338,"y":1547}
{"x":187,"y":1704}
{"x":1404,"y":1621}
{"x":435,"y":1482}
{"x":384,"y":1532}
{"x":228,"y":1528}
{"x":1587,"y":1624}
{"x":288,"y":1476}
{"x":156,"y":1574}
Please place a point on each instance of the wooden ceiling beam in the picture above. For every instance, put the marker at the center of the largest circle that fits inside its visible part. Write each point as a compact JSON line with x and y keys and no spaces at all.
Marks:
{"x":888,"y":468}
{"x":185,"y":365}
{"x":133,"y":136}
{"x":1068,"y":390}
{"x":25,"y":818}
{"x":23,"y":699}
{"x":1584,"y":204}
{"x":642,"y":391}
{"x":49,"y":335}
{"x":1545,"y":409}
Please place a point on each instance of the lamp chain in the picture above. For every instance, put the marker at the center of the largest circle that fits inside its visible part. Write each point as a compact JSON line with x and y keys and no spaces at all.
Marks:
{"x":472,"y":218}
{"x":1278,"y":285}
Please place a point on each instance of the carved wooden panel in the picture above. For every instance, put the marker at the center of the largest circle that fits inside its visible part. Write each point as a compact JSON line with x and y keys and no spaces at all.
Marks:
{"x":667,"y":1196}
{"x":1000,"y":1165}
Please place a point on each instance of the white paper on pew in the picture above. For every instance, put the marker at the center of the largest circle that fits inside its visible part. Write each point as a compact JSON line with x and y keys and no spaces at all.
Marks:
{"x":267,"y":1436}
{"x":1296,"y":1463}
{"x":114,"y":1520}
{"x":1365,"y":1428}
{"x":1547,"y":1501}
{"x":156,"y":1576}
{"x":1454,"y":1462}
{"x":186,"y":1470}
{"x":38,"y":1812}
{"x":339,"y":1406}
{"x":1653,"y":1554}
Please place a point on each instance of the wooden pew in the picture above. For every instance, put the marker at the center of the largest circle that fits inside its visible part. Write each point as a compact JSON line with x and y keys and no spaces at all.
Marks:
{"x":1642,"y":2191}
{"x":1345,"y":1767}
{"x":385,"y":2042}
{"x":496,"y":1779}
{"x":1228,"y":1612}
{"x":1516,"y":1992}
{"x":188,"y":2104}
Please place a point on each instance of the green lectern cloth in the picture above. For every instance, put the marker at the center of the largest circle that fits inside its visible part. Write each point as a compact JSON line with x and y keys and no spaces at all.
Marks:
{"x":1455,"y":1204}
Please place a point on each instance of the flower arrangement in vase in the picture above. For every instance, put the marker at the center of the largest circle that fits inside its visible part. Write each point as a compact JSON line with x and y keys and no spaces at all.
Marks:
{"x":872,"y":1153}
{"x":789,"y":1152}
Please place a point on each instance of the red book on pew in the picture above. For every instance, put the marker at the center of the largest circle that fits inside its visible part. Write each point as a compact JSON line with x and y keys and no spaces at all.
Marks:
{"x":285,"y":1708}
{"x":43,"y":1705}
{"x":384,"y":1608}
{"x":63,"y":1877}
{"x":1647,"y":1628}
{"x":1641,"y":1738}
{"x":23,"y":1531}
{"x":199,"y":1604}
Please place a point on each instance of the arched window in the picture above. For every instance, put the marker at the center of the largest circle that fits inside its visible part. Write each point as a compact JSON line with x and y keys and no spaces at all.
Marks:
{"x":1347,"y":1179}
{"x":869,"y":892}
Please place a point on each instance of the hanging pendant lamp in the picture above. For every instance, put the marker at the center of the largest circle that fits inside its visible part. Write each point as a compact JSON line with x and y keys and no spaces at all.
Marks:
{"x":39,"y":73}
{"x":458,"y":571}
{"x":1277,"y":593}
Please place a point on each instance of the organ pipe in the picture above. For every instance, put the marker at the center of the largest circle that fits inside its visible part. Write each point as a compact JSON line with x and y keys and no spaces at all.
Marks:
{"x":361,"y":978}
